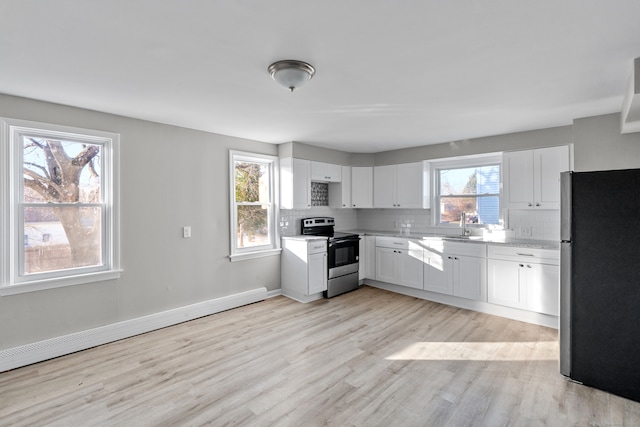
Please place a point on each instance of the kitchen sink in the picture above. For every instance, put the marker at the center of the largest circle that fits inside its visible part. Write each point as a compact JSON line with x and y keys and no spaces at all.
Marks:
{"x":463,"y":237}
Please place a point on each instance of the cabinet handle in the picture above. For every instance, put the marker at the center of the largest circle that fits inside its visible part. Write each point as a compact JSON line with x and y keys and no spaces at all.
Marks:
{"x":449,"y":257}
{"x":455,"y":257}
{"x":529,"y":204}
{"x":524,"y":254}
{"x":528,"y":266}
{"x":521,"y":265}
{"x":537,"y":204}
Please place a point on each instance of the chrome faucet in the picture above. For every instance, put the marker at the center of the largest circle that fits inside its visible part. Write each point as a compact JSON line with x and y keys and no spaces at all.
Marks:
{"x":463,"y":224}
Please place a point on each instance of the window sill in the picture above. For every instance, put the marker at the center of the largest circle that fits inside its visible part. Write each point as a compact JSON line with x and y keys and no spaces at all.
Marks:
{"x":58,"y":282}
{"x":256,"y":254}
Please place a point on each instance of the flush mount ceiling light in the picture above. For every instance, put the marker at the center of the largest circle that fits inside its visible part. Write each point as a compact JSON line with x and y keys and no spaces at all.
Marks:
{"x":290,"y":73}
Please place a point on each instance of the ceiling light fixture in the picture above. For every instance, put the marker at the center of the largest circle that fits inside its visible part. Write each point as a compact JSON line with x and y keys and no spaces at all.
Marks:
{"x":290,"y":73}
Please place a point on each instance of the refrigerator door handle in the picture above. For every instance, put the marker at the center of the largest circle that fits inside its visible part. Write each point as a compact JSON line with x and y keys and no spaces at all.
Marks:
{"x":565,"y":206}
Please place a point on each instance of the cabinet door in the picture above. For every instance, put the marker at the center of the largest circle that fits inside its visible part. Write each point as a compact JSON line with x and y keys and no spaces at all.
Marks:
{"x":438,"y":272}
{"x":295,"y":183}
{"x":548,"y":163}
{"x":543,"y":288}
{"x":362,"y":187}
{"x":386,"y":265}
{"x":469,"y":278}
{"x":334,"y":172}
{"x":319,"y":171}
{"x":409,"y":185}
{"x":506,"y":283}
{"x":409,"y":268}
{"x":518,"y":179}
{"x":340,"y":192}
{"x":370,"y":255}
{"x":317,"y":271}
{"x":325,"y":172}
{"x":384,"y":186}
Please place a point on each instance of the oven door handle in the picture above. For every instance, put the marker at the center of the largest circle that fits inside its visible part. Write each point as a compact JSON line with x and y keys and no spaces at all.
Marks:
{"x":343,"y":241}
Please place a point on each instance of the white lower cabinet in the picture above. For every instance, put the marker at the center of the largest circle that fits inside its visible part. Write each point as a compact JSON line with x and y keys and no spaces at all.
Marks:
{"x":399,"y":261}
{"x":524,"y":278}
{"x":457,"y":269}
{"x":317,"y":273}
{"x":304,"y":268}
{"x":370,"y":257}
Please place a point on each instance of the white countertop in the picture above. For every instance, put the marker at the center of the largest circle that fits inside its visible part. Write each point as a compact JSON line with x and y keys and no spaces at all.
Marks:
{"x":306,"y":238}
{"x":498,"y":240}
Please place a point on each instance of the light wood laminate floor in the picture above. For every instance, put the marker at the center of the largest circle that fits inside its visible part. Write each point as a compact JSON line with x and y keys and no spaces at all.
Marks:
{"x":367,"y":358}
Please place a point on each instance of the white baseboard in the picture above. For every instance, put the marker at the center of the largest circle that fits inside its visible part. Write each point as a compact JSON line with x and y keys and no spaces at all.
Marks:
{"x":275,"y":293}
{"x":47,"y":349}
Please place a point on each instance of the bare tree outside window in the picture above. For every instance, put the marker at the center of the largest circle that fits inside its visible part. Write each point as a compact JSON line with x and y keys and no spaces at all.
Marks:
{"x":252,"y":201}
{"x":62,"y":204}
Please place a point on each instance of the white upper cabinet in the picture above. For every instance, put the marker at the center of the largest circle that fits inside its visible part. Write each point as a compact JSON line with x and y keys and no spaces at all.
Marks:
{"x":340,"y":192}
{"x":401,"y":186}
{"x":362,"y":187}
{"x":325,"y":172}
{"x":532,"y":177}
{"x":295,"y":183}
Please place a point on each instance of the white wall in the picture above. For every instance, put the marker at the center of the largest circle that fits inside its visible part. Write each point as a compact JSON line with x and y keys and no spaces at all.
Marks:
{"x":170,"y":177}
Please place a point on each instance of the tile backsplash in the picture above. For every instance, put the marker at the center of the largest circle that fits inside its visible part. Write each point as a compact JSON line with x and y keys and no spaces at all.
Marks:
{"x":522,"y":224}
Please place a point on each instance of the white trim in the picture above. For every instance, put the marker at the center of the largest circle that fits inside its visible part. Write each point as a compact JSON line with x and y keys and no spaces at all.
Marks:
{"x":273,"y":248}
{"x":59,"y":282}
{"x":43,"y":350}
{"x":255,"y":254}
{"x":12,"y":281}
{"x":274,"y":293}
{"x":475,"y":160}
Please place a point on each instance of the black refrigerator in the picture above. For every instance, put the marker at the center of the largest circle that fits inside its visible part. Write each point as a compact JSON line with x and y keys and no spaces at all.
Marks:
{"x":600,"y":280}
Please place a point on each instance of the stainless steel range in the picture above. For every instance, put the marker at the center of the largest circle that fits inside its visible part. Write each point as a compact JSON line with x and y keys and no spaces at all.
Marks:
{"x":343,"y":255}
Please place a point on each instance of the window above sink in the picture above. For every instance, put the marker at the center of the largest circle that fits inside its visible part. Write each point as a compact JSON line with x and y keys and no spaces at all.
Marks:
{"x":470,"y":185}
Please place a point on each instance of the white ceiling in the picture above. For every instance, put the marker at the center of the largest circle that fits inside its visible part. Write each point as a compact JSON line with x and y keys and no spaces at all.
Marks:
{"x":390,"y":73}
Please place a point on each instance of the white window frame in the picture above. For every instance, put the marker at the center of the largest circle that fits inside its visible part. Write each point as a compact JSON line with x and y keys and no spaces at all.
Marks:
{"x":12,"y":281}
{"x":273,"y":248}
{"x":463,"y":162}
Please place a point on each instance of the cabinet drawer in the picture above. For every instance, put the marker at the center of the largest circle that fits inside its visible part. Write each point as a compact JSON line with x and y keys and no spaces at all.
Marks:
{"x":316,"y":246}
{"x":397,"y":243}
{"x":478,"y":250}
{"x":535,"y":255}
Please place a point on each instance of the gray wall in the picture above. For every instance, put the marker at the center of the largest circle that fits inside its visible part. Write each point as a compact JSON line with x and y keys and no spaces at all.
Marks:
{"x":514,"y":141}
{"x":170,"y":177}
{"x":599,"y":145}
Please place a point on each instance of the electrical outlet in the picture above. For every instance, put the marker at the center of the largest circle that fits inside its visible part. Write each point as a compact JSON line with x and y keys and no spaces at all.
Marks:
{"x":525,"y":231}
{"x":186,"y":232}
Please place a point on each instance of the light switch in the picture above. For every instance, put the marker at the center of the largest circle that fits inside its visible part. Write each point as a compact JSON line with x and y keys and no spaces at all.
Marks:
{"x":186,"y":232}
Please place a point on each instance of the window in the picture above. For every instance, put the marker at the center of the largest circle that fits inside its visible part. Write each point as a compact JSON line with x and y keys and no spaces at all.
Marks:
{"x":253,"y":210}
{"x":59,"y":206}
{"x":471,"y":186}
